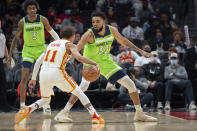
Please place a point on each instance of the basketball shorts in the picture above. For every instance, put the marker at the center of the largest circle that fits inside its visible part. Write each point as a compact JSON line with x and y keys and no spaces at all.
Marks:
{"x":50,"y":77}
{"x":31,"y":54}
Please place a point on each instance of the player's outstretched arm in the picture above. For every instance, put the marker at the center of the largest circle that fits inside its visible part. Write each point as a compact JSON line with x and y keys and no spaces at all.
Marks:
{"x":87,"y":37}
{"x":15,"y":40}
{"x":124,"y":41}
{"x":75,"y":53}
{"x":49,"y":28}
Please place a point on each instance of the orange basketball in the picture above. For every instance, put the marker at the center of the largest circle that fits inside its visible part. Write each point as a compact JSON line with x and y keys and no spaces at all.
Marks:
{"x":90,"y":73}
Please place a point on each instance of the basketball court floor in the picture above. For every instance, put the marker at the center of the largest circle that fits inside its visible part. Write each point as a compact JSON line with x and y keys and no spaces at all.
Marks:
{"x":115,"y":121}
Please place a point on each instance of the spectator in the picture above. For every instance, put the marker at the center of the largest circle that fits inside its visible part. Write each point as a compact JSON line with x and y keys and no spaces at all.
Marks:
{"x":127,"y":56}
{"x":140,"y":61}
{"x":178,"y":42}
{"x":3,"y":53}
{"x":133,"y":31}
{"x":77,"y":38}
{"x":190,"y":62}
{"x":155,"y":27}
{"x":159,"y":42}
{"x":104,"y":5}
{"x":153,"y":72}
{"x":167,"y":27}
{"x":176,"y":78}
{"x":86,"y":5}
{"x":72,"y":21}
{"x":111,"y":16}
{"x":144,"y":13}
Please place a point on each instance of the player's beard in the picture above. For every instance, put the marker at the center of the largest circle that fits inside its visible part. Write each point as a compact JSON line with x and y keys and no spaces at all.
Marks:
{"x":99,"y":30}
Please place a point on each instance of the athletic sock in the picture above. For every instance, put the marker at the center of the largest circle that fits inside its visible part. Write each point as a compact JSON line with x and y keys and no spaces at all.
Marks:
{"x":68,"y":107}
{"x":91,"y":110}
{"x":138,"y":107}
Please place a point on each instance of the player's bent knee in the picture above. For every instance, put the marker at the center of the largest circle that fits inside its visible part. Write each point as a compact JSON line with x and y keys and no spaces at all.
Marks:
{"x":84,"y":84}
{"x":127,"y":83}
{"x":79,"y":93}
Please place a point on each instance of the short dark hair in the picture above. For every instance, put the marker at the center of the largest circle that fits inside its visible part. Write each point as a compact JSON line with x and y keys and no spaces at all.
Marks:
{"x":67,"y":31}
{"x":30,"y":2}
{"x":145,"y":43}
{"x":99,"y":14}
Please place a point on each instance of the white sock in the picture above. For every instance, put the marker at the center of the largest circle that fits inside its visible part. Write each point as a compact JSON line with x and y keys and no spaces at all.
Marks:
{"x":68,"y":107}
{"x":22,"y":104}
{"x":92,"y":110}
{"x":39,"y":103}
{"x":138,"y":107}
{"x":34,"y":106}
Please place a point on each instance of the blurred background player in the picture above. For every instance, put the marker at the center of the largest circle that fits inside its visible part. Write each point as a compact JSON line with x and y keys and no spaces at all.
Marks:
{"x":32,"y":26}
{"x":53,"y":73}
{"x":97,"y":42}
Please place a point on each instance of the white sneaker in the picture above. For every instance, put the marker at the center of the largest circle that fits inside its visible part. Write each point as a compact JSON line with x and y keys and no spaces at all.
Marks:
{"x":159,"y":105}
{"x":167,"y":105}
{"x":63,"y":116}
{"x":192,"y":106}
{"x":47,"y":109}
{"x":140,"y":116}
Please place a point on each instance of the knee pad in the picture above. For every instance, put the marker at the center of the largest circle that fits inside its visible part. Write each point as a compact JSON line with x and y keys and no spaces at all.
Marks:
{"x":127,"y":83}
{"x":84,"y":84}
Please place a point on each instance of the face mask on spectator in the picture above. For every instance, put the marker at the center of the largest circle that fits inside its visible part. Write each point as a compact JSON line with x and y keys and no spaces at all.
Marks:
{"x":68,"y":11}
{"x":147,"y":50}
{"x":173,"y":62}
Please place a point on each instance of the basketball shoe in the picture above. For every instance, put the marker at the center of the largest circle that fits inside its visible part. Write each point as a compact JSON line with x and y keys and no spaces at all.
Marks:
{"x":140,"y":116}
{"x":22,"y":114}
{"x":97,"y":119}
{"x":63,"y":116}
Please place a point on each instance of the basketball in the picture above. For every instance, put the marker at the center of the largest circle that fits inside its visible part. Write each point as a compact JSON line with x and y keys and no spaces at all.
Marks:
{"x":90,"y":73}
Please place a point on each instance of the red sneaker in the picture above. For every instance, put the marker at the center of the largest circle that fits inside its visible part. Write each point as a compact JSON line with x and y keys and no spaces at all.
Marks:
{"x":97,"y":119}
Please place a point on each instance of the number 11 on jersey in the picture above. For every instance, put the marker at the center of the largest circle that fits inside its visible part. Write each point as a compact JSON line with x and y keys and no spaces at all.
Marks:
{"x":52,"y":60}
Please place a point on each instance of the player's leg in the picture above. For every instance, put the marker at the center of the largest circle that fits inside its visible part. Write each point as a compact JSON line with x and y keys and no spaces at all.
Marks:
{"x":25,"y":72}
{"x":86,"y":103}
{"x":25,"y":111}
{"x":84,"y":86}
{"x":73,"y":98}
{"x":67,"y":84}
{"x":129,"y":84}
{"x":46,"y":89}
{"x":62,"y":116}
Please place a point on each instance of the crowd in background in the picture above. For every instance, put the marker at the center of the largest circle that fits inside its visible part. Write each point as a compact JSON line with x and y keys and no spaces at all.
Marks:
{"x":152,"y":25}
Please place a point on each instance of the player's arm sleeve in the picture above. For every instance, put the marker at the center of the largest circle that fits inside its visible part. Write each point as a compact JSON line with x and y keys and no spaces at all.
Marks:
{"x":54,"y":34}
{"x":49,"y":28}
{"x":37,"y":66}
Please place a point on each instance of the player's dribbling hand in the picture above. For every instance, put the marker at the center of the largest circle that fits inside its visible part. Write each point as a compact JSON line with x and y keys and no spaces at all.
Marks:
{"x":146,"y":54}
{"x":32,"y":83}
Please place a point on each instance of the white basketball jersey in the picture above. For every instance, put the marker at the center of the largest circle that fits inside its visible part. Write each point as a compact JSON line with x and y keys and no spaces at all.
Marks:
{"x":56,"y":55}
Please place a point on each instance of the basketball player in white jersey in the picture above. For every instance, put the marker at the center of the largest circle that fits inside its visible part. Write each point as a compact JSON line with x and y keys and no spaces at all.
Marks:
{"x":53,"y":73}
